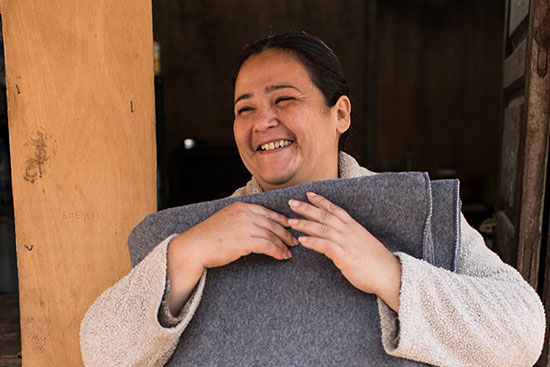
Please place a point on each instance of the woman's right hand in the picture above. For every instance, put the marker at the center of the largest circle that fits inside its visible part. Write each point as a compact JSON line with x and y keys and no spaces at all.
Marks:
{"x":237,"y":230}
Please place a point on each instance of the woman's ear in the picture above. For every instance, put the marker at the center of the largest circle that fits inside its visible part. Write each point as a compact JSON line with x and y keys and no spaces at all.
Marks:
{"x":343,"y":114}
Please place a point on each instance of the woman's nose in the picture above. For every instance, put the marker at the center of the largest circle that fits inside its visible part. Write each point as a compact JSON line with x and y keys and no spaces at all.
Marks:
{"x":265,"y":119}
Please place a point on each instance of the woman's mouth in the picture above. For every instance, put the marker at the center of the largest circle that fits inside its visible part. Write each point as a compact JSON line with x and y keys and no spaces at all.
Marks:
{"x":274,"y":145}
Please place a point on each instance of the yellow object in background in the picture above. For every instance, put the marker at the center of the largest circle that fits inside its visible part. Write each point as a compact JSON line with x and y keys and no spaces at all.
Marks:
{"x":156,"y":57}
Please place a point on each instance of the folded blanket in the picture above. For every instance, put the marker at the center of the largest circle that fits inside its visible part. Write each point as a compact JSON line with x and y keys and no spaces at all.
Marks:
{"x":260,"y":311}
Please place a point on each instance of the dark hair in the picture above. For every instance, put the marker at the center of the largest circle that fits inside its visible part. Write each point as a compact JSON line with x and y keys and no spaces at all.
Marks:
{"x":322,"y":64}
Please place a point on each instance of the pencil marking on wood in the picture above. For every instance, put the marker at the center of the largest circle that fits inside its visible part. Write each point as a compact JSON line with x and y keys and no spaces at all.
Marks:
{"x":34,"y":168}
{"x":80,"y":215}
{"x":131,"y":107}
{"x":17,"y":87}
{"x":29,"y":248}
{"x":38,"y":338}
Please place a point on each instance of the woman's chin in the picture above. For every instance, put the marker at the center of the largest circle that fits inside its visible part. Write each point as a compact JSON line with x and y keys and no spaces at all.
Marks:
{"x":277,"y":181}
{"x":277,"y":173}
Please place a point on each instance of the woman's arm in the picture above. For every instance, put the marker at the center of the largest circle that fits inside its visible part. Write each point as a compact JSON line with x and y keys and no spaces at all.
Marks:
{"x":237,"y":230}
{"x":483,"y":315}
{"x":121,"y":328}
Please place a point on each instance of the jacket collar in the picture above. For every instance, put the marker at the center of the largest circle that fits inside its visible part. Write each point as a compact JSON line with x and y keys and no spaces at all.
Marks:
{"x":347,"y":168}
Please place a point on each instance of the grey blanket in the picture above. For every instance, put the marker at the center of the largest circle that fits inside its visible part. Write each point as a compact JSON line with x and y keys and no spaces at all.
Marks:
{"x":259,"y":311}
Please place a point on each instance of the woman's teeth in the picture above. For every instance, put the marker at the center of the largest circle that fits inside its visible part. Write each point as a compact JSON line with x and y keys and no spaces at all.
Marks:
{"x":275,"y":145}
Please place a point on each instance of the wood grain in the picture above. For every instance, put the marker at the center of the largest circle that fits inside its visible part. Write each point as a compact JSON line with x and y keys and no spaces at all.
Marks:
{"x":82,"y":137}
{"x":537,"y":92}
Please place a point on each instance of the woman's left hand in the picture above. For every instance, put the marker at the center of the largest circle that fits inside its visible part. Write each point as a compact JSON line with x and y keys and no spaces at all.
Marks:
{"x":363,"y":260}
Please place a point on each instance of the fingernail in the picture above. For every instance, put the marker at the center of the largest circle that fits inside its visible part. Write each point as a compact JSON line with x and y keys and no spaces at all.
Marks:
{"x":312,"y":194}
{"x":292,"y":221}
{"x":294,"y":203}
{"x":295,"y":241}
{"x":303,"y":239}
{"x":289,"y":255}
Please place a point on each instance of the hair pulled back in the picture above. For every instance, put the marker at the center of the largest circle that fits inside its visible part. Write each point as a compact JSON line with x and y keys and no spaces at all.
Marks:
{"x":322,"y":64}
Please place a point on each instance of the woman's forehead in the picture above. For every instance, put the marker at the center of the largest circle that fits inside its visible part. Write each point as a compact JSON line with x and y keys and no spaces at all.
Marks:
{"x":271,"y":68}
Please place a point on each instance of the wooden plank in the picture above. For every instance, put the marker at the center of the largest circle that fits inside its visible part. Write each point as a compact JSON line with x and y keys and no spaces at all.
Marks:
{"x":536,"y":143}
{"x":82,"y":137}
{"x":519,"y":9}
{"x":509,"y":152}
{"x":514,"y":65}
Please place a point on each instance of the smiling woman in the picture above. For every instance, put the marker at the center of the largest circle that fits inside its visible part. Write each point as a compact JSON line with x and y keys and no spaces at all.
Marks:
{"x":289,"y":122}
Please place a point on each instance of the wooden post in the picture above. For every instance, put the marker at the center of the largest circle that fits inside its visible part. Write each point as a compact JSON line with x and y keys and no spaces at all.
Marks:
{"x":537,"y":121}
{"x":82,"y":137}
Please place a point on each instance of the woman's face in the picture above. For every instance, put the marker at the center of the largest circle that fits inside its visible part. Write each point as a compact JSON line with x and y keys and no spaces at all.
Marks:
{"x":285,"y":133}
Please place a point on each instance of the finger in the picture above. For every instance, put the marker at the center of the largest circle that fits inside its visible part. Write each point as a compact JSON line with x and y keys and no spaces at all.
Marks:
{"x":279,"y":231}
{"x":274,"y":222}
{"x":321,"y":245}
{"x":266,"y":234}
{"x":315,"y":229}
{"x":273,"y":215}
{"x":329,"y":206}
{"x":314,"y":213}
{"x":258,"y":220}
{"x":271,"y":246}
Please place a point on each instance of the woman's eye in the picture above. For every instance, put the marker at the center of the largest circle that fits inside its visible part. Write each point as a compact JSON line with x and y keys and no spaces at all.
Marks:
{"x":243,"y":110}
{"x":283,"y":99}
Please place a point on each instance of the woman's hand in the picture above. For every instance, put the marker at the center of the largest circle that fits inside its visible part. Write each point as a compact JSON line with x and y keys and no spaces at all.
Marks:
{"x":365,"y":262}
{"x":237,"y":230}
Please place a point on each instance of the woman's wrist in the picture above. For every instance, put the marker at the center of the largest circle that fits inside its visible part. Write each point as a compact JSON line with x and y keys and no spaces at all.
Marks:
{"x":184,"y":271}
{"x":183,"y":258}
{"x":391,"y":288}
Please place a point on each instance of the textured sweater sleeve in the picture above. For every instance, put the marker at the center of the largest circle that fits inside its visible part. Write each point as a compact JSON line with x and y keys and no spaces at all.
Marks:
{"x":122,"y":327}
{"x":483,"y":315}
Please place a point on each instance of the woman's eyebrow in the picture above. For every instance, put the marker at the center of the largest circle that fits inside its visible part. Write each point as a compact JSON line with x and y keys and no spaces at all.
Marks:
{"x":272,"y":88}
{"x":244,"y":96}
{"x":267,"y":90}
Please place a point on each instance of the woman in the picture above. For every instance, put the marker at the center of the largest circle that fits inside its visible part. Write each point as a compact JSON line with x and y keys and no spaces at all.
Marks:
{"x":292,"y":109}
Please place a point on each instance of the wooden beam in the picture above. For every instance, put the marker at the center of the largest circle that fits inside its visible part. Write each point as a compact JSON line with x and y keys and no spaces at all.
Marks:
{"x":537,"y":92}
{"x":82,"y":137}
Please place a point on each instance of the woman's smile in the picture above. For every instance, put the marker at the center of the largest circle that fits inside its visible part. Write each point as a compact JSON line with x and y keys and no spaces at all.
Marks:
{"x":274,"y":146}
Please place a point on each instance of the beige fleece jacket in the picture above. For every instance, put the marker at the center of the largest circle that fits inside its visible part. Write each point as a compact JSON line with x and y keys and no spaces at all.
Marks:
{"x":483,"y":315}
